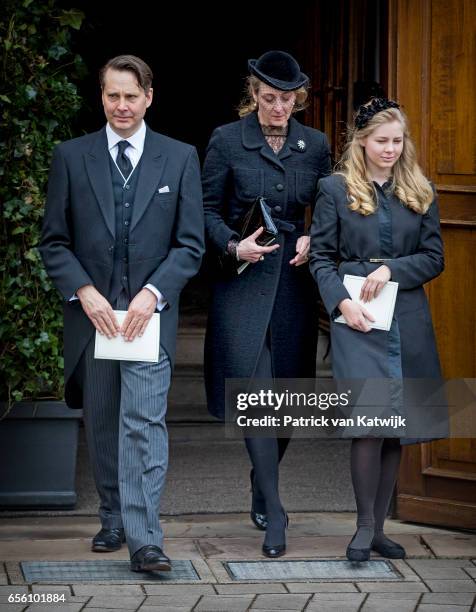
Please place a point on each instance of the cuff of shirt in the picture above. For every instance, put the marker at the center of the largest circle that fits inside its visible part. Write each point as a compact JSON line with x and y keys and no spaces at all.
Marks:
{"x":161,"y":301}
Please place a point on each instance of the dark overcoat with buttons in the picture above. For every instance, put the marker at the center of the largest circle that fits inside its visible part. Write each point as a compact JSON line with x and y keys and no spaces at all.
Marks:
{"x":271,"y":294}
{"x":165,"y":234}
{"x":344,"y":242}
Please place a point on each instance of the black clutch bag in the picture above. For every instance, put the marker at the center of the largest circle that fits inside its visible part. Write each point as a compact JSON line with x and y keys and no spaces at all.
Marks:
{"x":259,"y":215}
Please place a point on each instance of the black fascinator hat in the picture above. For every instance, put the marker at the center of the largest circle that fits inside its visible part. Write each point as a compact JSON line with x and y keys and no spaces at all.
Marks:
{"x":367,"y":111}
{"x":279,"y":70}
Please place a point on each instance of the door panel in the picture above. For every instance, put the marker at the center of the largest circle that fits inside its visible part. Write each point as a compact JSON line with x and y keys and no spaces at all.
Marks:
{"x":434,"y":79}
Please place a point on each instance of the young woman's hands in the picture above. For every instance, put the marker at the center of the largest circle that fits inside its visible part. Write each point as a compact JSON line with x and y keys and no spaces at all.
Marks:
{"x":355,"y":315}
{"x":374,"y":283}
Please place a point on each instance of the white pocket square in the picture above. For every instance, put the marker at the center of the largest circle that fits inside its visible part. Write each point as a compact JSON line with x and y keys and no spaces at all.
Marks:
{"x":164,"y":189}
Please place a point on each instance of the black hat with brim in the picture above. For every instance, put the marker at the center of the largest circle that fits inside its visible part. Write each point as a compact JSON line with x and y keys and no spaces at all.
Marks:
{"x":279,"y":70}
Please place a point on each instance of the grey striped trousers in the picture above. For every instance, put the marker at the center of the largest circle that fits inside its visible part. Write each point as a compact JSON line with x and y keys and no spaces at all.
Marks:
{"x":125,"y":403}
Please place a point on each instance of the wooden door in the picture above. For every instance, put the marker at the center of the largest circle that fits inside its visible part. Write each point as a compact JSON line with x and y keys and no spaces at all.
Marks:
{"x":431,"y":57}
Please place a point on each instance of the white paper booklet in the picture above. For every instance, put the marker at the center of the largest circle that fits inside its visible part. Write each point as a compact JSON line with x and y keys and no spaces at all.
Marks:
{"x":381,"y":307}
{"x":145,"y":348}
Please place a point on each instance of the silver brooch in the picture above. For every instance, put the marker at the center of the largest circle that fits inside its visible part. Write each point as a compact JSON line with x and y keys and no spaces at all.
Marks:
{"x":301,"y":144}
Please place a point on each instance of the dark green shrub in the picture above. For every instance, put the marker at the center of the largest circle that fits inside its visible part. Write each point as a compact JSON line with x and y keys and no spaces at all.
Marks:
{"x":38,"y":101}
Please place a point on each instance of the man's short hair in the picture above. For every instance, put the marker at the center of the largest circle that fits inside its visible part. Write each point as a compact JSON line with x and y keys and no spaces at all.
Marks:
{"x":132,"y":63}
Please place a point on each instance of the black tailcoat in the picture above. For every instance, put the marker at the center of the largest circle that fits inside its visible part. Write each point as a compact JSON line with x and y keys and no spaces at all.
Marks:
{"x":165,"y":234}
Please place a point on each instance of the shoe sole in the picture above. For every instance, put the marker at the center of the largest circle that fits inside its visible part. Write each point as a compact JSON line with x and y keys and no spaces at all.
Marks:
{"x":364,"y":559}
{"x":104,"y":549}
{"x":151,"y":567}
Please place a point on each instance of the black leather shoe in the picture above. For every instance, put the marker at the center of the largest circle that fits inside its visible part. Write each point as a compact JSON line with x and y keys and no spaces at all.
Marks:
{"x":357,"y":555}
{"x":108,"y":540}
{"x":259,"y":519}
{"x":273,"y":552}
{"x":150,"y":558}
{"x":279,"y":549}
{"x":389,"y":549}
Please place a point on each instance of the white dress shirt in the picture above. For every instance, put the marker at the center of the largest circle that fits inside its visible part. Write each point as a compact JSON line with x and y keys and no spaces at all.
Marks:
{"x":136,"y":144}
{"x":133,"y":152}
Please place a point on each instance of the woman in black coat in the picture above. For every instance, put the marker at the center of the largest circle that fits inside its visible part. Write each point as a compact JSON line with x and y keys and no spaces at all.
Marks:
{"x":263,"y":323}
{"x":378,"y":218}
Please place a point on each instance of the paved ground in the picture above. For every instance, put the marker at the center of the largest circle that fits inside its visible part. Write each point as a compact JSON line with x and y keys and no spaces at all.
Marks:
{"x":438,"y":575}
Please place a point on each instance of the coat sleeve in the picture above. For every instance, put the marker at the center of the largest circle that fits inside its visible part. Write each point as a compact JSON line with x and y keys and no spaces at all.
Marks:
{"x":324,"y":256}
{"x":325,"y":160}
{"x":184,"y":258}
{"x":55,"y":246}
{"x":215,"y":179}
{"x":324,"y":164}
{"x":411,"y":271}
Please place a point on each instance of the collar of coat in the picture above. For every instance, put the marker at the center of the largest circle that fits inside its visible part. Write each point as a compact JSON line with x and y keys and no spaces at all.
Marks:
{"x":252,"y":138}
{"x":153,"y":162}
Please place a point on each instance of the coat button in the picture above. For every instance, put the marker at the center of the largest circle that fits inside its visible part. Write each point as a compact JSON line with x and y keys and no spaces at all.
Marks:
{"x":126,"y":222}
{"x":278,"y":208}
{"x":279,"y":186}
{"x":127,"y":204}
{"x":127,"y":187}
{"x":111,"y":249}
{"x":124,"y":278}
{"x":275,"y":252}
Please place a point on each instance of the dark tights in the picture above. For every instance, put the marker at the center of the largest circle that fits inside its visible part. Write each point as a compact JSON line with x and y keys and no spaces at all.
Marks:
{"x":374,"y":468}
{"x":265,"y":455}
{"x":259,"y":502}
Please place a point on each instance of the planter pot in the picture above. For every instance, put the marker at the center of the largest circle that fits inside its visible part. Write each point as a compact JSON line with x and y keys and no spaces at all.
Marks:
{"x":38,"y":447}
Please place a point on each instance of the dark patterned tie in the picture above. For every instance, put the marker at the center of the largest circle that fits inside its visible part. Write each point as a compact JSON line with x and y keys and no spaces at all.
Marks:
{"x":122,"y":161}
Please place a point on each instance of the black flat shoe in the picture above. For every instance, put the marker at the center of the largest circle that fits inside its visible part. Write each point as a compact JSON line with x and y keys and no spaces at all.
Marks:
{"x":150,"y":558}
{"x":277,"y":550}
{"x":259,"y":519}
{"x":357,"y":555}
{"x":273,"y":552}
{"x":389,"y":549}
{"x":108,"y":540}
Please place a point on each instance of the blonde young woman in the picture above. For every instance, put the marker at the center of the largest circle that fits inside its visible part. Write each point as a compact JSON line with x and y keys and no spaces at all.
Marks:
{"x":377,"y":217}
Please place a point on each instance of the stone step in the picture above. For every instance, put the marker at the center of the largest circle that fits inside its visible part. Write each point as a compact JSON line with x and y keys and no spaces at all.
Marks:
{"x":186,"y":400}
{"x":190,"y":341}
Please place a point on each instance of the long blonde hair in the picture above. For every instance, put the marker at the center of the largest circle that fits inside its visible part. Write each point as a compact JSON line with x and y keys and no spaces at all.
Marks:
{"x":408,"y":181}
{"x":248,"y":105}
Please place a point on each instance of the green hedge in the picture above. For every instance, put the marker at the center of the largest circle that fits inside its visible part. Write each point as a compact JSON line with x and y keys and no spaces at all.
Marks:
{"x":38,"y":102}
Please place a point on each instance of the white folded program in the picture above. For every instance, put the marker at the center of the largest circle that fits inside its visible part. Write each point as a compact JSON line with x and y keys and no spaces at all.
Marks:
{"x":381,"y":307}
{"x":142,"y":348}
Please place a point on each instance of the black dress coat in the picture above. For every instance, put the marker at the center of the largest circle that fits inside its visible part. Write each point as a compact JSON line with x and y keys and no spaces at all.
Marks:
{"x":166,"y":238}
{"x":271,"y":294}
{"x":342,"y":242}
